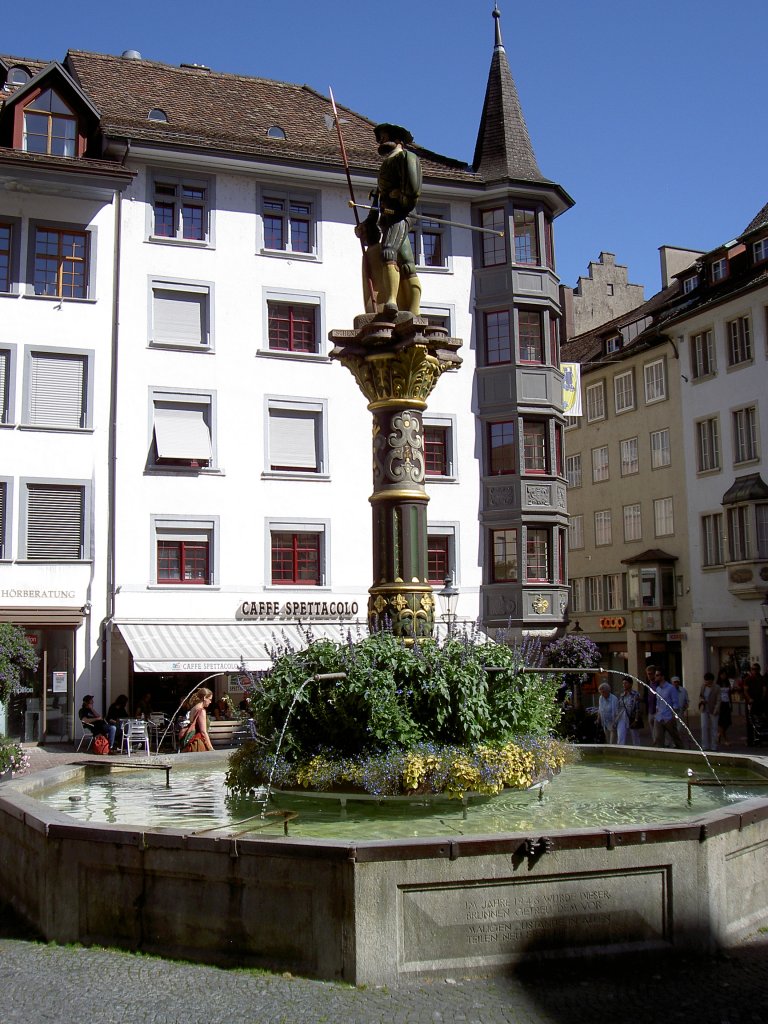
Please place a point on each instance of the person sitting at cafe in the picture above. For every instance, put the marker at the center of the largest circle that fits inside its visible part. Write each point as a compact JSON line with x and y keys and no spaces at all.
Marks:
{"x":94,"y":722}
{"x":221,"y":710}
{"x":118,"y":710}
{"x":144,"y":707}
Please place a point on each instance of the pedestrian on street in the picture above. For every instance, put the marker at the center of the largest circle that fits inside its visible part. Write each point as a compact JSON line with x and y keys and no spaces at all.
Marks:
{"x":666,"y":712}
{"x":709,"y":706}
{"x":608,"y":712}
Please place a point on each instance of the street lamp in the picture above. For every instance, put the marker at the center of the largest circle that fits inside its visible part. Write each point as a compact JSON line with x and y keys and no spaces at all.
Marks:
{"x":449,"y":597}
{"x":577,"y":627}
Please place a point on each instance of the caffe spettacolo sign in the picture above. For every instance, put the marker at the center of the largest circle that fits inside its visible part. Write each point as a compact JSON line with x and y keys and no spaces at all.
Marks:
{"x":299,"y":610}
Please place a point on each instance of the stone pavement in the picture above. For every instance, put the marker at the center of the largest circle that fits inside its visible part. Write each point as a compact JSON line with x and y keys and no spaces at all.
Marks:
{"x":67,"y":984}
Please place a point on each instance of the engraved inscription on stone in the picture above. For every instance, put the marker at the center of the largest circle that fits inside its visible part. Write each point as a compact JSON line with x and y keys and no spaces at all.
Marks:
{"x":510,"y":918}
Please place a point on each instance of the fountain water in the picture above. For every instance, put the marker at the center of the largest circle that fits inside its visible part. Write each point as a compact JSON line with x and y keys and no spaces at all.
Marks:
{"x":312,"y":679}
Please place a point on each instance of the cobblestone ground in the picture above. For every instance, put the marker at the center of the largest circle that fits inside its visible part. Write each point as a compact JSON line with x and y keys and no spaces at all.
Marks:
{"x":68,"y":984}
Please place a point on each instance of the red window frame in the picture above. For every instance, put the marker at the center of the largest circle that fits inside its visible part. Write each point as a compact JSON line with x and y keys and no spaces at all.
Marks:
{"x":291,"y":327}
{"x":526,"y":236}
{"x":183,"y":562}
{"x":295,"y":559}
{"x":6,"y":240}
{"x":435,"y":450}
{"x":61,"y":260}
{"x":494,"y":247}
{"x":535,"y":447}
{"x":501,"y":448}
{"x":505,"y":569}
{"x":438,"y":558}
{"x":498,"y":337}
{"x":530,"y":331}
{"x":537,"y":560}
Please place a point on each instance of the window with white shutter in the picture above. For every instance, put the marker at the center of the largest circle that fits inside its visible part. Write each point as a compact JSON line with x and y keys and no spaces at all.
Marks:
{"x":5,"y":375}
{"x":296,"y":436}
{"x":57,"y":390}
{"x":3,"y":518}
{"x":182,"y":435}
{"x":55,"y":522}
{"x":293,"y":440}
{"x":180,"y":316}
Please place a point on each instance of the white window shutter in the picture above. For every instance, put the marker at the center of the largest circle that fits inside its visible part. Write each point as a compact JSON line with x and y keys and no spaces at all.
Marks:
{"x":181,"y":432}
{"x":293,"y":439}
{"x":179,"y":318}
{"x":57,"y":390}
{"x":5,"y":358}
{"x":55,"y":522}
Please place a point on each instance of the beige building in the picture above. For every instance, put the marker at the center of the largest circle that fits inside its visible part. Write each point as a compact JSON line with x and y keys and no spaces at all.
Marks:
{"x":628,"y":551}
{"x":605,"y":293}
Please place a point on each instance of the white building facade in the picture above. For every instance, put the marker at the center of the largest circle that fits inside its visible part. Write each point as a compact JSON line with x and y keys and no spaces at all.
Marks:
{"x":222,"y":458}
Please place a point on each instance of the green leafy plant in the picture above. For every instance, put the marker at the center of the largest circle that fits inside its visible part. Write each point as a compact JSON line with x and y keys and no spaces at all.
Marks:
{"x":393,"y":699}
{"x":16,"y":654}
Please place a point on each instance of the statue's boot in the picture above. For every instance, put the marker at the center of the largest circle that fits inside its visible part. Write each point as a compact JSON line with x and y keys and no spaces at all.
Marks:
{"x":391,"y":284}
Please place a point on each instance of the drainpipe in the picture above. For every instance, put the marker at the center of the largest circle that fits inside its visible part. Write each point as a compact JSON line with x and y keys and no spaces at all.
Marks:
{"x":112,"y":443}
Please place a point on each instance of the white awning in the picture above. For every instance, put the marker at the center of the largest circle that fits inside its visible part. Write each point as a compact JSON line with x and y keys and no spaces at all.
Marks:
{"x":218,"y":646}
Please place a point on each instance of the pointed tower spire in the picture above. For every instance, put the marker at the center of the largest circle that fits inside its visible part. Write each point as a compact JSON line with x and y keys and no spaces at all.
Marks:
{"x":503,"y":148}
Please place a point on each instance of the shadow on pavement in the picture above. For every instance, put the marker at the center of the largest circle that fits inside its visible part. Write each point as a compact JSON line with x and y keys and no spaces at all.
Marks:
{"x":722,"y":988}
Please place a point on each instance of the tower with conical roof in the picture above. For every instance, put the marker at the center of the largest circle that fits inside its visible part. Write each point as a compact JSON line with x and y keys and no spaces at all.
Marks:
{"x":520,"y":422}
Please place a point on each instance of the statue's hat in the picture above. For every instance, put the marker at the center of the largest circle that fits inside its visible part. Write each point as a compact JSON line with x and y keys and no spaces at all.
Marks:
{"x":395,"y":132}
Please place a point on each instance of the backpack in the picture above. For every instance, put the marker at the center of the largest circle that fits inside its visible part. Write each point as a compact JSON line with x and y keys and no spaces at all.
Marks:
{"x":100,"y":744}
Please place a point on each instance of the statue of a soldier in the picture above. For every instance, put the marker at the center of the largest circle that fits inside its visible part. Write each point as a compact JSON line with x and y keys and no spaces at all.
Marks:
{"x":391,"y":265}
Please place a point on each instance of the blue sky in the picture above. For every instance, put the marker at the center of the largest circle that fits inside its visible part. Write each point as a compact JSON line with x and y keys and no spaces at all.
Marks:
{"x":651,"y":115}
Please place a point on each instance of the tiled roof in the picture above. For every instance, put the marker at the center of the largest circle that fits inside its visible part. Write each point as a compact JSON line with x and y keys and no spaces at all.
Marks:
{"x":33,"y":66}
{"x":588,"y":347}
{"x":503,"y":148}
{"x":232,"y":113}
{"x":758,"y":221}
{"x":64,"y":163}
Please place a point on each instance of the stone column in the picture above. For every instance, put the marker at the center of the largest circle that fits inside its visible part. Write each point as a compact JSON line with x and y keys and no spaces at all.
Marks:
{"x":397,"y":363}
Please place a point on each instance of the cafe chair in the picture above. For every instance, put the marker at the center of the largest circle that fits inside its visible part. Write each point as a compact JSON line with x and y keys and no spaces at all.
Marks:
{"x":135,"y":732}
{"x":86,"y":737}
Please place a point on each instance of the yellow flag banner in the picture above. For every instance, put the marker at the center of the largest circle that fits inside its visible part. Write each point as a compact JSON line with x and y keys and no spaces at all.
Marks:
{"x":571,"y":388}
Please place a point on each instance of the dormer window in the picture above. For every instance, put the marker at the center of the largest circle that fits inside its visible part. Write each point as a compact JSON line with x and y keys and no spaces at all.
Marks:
{"x":275,"y":132}
{"x":613,"y":344}
{"x":690,"y":283}
{"x":760,"y":250}
{"x":17,"y":76}
{"x":49,"y":126}
{"x":719,"y":270}
{"x":156,"y":114}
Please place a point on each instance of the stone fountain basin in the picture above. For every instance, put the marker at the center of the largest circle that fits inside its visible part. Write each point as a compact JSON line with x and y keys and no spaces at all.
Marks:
{"x":374,"y":912}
